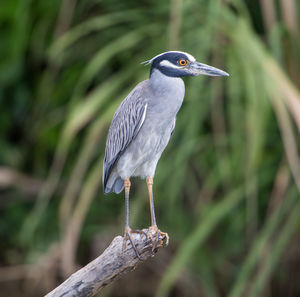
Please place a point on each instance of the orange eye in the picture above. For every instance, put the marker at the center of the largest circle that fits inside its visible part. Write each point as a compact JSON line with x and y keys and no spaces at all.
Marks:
{"x":182,"y":62}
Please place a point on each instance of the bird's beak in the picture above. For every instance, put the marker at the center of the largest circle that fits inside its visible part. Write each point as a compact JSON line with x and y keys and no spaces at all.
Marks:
{"x":197,"y":68}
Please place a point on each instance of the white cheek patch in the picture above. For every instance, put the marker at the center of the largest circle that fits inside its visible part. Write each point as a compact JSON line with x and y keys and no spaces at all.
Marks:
{"x":168,"y":64}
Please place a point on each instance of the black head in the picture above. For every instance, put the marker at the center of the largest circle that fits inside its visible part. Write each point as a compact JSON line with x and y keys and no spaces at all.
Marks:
{"x":177,"y":64}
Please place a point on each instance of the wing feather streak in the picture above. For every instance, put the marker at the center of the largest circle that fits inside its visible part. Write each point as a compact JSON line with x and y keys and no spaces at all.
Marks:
{"x":124,"y":127}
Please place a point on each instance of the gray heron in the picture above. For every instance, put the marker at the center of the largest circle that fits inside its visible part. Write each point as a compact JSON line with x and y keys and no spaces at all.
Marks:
{"x":143,"y":124}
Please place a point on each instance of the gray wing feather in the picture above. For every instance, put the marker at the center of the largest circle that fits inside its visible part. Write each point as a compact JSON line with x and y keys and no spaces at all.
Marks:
{"x":125,"y":125}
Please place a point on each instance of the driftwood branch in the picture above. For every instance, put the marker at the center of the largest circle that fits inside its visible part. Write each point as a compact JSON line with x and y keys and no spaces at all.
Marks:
{"x":109,"y":266}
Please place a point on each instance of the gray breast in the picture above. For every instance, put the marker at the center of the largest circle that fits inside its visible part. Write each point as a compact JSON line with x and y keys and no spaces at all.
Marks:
{"x":164,"y":99}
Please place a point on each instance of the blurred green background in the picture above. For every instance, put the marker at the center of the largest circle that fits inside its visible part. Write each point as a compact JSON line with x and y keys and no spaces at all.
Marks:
{"x":227,"y":186}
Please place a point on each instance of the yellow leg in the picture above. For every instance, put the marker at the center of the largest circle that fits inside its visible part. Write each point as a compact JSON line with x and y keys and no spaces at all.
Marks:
{"x":127,"y":185}
{"x":149,"y":181}
{"x":154,"y":228}
{"x":128,"y":231}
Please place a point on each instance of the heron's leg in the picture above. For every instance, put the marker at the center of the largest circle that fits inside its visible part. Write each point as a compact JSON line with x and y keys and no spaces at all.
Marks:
{"x":128,"y":231}
{"x":127,"y":185}
{"x":149,"y":181}
{"x":154,"y":227}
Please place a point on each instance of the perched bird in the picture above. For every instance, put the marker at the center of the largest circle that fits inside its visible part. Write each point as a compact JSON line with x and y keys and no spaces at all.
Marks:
{"x":143,"y":124}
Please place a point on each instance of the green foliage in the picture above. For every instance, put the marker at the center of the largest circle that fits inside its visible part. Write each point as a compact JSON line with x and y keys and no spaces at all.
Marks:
{"x":227,"y":186}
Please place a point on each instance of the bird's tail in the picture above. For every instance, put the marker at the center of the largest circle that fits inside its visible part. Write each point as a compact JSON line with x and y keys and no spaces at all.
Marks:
{"x":114,"y":184}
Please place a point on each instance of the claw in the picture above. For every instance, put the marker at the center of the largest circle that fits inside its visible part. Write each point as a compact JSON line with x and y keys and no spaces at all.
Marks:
{"x":154,"y":248}
{"x":165,"y":236}
{"x":155,"y":231}
{"x":127,"y":236}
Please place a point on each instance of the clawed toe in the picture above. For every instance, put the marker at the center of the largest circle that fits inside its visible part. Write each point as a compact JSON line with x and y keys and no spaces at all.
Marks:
{"x":154,"y":231}
{"x":127,"y":236}
{"x":165,"y":236}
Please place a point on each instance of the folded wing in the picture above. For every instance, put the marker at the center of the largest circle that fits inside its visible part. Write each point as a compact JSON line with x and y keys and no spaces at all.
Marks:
{"x":125,"y":125}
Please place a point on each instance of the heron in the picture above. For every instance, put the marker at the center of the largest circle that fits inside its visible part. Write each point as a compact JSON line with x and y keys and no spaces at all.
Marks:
{"x":143,"y":125}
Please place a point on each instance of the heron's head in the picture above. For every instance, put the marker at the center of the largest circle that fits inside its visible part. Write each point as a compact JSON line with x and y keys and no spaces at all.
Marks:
{"x":177,"y":64}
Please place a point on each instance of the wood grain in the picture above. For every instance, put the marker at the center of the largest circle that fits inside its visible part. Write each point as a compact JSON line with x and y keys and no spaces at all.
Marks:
{"x":109,"y":266}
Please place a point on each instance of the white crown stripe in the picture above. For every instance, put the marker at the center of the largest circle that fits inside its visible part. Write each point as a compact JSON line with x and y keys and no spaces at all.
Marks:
{"x":191,"y":58}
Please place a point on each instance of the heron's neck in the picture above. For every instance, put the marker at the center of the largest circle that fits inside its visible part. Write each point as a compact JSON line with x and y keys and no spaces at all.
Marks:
{"x":167,"y":94}
{"x":166,"y":85}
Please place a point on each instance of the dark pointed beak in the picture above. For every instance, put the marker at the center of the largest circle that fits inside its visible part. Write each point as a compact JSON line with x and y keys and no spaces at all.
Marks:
{"x":197,"y":68}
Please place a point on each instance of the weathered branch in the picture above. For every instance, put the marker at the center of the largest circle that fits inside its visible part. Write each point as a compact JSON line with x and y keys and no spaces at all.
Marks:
{"x":109,"y":266}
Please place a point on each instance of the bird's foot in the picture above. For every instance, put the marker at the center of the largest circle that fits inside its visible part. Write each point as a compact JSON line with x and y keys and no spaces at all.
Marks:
{"x":156,"y":234}
{"x":127,"y":236}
